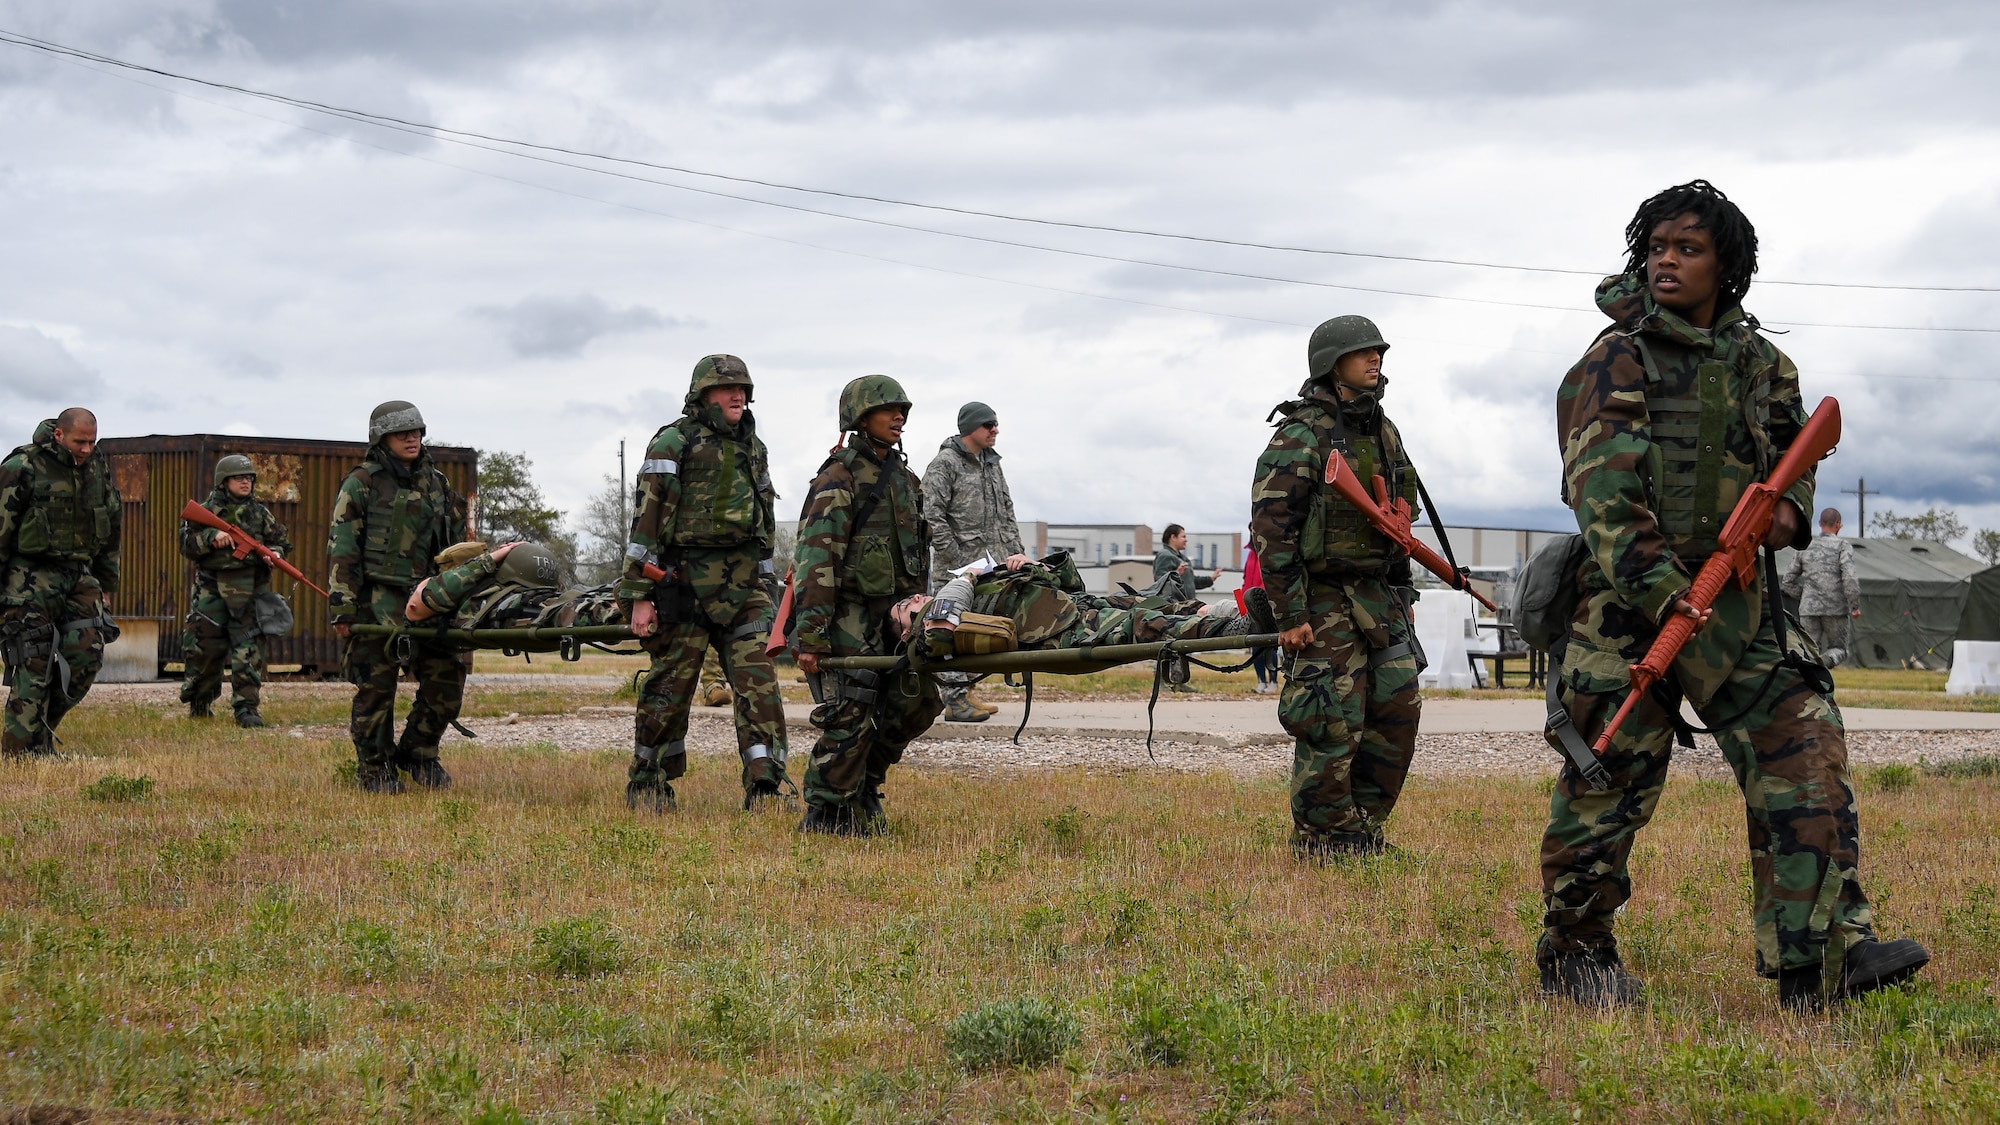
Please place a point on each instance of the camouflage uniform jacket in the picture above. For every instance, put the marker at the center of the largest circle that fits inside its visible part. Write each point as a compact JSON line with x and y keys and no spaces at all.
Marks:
{"x":1663,"y":427}
{"x":256,"y":520}
{"x":1299,"y":525}
{"x":886,"y":556}
{"x":56,"y":513}
{"x":705,"y":485}
{"x":1824,"y":580}
{"x":390,"y":520}
{"x":969,"y":509}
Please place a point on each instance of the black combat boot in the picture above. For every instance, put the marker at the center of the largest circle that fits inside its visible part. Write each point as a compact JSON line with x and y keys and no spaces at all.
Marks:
{"x":1873,"y":964}
{"x":1799,"y":990}
{"x":249,"y":719}
{"x":648,"y":795}
{"x":762,"y":793}
{"x":1332,"y":847}
{"x":429,"y":773}
{"x":205,"y":709}
{"x":1595,"y":978}
{"x":1257,"y":608}
{"x":381,"y":778}
{"x":840,"y":820}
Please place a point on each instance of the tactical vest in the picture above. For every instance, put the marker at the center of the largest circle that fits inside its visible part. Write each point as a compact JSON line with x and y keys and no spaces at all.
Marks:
{"x":1335,"y":529}
{"x":726,"y":494}
{"x":403,"y":524}
{"x":885,"y":550}
{"x":1692,"y":410}
{"x":72,"y":509}
{"x":248,"y":514}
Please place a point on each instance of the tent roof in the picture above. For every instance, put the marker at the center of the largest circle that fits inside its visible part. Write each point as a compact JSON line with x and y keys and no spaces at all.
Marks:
{"x":1905,"y":560}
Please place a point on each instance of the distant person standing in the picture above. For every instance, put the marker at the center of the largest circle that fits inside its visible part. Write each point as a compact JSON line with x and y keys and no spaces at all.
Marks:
{"x":1171,"y":563}
{"x":222,"y":628}
{"x":1822,"y":577}
{"x":1263,"y":661}
{"x":971,"y":514}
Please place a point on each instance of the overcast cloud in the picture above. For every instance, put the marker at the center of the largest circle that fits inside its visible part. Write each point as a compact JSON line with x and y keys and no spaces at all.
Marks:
{"x":187,"y":259}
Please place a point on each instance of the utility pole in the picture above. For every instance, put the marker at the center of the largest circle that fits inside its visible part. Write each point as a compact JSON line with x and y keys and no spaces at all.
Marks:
{"x":1861,"y":492}
{"x":624,"y":517}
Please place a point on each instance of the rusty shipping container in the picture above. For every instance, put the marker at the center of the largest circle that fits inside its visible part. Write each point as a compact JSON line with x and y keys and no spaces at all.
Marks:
{"x":297,"y":477}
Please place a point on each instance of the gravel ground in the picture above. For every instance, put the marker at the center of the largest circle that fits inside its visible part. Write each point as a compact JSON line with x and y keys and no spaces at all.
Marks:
{"x":1448,"y":755}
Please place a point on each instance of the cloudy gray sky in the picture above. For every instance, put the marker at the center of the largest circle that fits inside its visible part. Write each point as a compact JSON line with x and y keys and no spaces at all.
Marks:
{"x":188,"y":259}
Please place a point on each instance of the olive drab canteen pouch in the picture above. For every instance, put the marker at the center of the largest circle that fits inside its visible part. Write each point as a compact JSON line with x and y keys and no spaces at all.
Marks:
{"x":871,"y":565}
{"x":981,"y":633}
{"x":274,"y":614}
{"x":1547,"y":592}
{"x":1545,"y":600}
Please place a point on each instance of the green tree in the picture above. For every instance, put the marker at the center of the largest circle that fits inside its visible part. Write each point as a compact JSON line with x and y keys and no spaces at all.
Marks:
{"x":601,"y":531}
{"x":1935,"y":526}
{"x":1986,"y":545}
{"x":511,"y":506}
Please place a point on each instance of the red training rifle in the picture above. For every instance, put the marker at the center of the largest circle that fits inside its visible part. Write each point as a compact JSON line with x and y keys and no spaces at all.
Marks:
{"x":1392,"y":518}
{"x":195,"y":513}
{"x":1735,"y":557}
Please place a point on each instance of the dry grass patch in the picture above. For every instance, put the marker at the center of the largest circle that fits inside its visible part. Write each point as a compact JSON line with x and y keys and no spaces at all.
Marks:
{"x":253,"y":939}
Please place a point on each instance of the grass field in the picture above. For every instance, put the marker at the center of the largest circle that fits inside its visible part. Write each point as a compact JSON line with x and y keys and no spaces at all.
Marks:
{"x":239,"y":936}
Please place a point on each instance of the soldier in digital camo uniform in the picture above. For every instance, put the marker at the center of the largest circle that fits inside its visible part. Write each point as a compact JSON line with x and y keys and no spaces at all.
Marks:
{"x":971,"y":513}
{"x":222,"y":626}
{"x":392,"y":516}
{"x":59,"y":528}
{"x":1677,"y":409}
{"x":1341,"y":592}
{"x":1828,"y":587}
{"x":863,"y":546}
{"x":704,"y":515}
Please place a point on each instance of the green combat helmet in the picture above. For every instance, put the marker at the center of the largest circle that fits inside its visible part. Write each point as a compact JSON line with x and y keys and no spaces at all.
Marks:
{"x":1338,"y":337}
{"x":394,"y":418}
{"x":718,"y":371}
{"x":234,"y":465}
{"x":530,"y":564}
{"x":868,"y":393}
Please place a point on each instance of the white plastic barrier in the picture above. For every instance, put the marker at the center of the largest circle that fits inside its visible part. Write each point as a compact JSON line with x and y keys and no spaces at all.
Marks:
{"x":1446,"y":622}
{"x":1975,"y":668}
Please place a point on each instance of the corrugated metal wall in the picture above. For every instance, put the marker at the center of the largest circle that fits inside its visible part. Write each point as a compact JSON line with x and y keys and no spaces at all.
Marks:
{"x":298,"y":478}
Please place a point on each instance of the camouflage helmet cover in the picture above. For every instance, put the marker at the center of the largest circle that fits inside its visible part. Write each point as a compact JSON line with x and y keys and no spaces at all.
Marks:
{"x":719,"y":371}
{"x":868,"y":393}
{"x":394,"y":418}
{"x":234,"y":465}
{"x":530,"y":564}
{"x":1338,"y":337}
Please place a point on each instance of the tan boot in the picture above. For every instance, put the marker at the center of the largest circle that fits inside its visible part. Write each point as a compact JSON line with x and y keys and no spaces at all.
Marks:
{"x":979,"y":704}
{"x":716,"y":695}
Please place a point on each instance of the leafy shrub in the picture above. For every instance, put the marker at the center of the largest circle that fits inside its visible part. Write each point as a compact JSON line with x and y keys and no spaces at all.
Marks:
{"x":1025,"y":1033}
{"x":346,"y":771}
{"x":371,"y":949}
{"x":1892,"y":778}
{"x":577,"y":947}
{"x":112,"y":787}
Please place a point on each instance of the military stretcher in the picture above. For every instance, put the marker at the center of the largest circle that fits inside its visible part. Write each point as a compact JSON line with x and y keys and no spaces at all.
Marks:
{"x":1170,"y":659}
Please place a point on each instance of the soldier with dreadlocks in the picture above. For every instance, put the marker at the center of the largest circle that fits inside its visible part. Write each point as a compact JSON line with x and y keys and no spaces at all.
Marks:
{"x":1670,"y":416}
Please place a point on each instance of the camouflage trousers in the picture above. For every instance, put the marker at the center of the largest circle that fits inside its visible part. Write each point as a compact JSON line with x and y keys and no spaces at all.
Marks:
{"x":1789,"y":755}
{"x":1352,"y":707}
{"x":54,"y":645}
{"x":1831,"y":635}
{"x":865,"y":719}
{"x":729,"y":621}
{"x":222,"y":630}
{"x":371,"y":665}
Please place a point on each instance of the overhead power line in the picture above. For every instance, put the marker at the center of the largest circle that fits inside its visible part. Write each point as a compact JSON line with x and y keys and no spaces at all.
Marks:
{"x":429,"y":128}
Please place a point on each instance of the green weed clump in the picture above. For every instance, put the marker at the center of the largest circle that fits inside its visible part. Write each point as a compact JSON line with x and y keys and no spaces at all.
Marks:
{"x":577,"y":947}
{"x":1891,"y":778}
{"x":1024,"y":1033}
{"x":116,"y":787}
{"x":1977,"y":765}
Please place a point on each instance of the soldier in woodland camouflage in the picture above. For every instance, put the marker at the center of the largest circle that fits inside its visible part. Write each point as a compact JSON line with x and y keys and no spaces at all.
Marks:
{"x":1677,"y":409}
{"x":222,"y":625}
{"x":1046,"y":616}
{"x":392,"y":516}
{"x":704,"y":515}
{"x":1341,"y":592}
{"x":59,"y":528}
{"x":1828,"y":588}
{"x":863,"y":545}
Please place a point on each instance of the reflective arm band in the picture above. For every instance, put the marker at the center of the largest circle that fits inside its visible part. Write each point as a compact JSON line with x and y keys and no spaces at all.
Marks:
{"x":661,"y":466}
{"x":638,"y":551}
